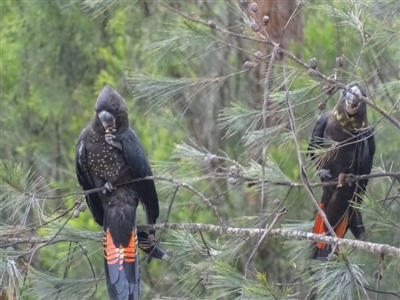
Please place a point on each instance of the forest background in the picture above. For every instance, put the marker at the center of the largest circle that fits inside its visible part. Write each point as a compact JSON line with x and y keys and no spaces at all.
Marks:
{"x":223,"y":99}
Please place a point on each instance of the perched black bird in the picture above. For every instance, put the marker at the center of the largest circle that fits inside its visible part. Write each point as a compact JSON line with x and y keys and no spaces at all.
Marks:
{"x":121,"y":244}
{"x":109,"y":154}
{"x":342,"y":145}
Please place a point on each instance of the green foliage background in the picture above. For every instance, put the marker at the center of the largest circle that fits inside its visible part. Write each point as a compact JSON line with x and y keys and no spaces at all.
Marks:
{"x":56,"y":57}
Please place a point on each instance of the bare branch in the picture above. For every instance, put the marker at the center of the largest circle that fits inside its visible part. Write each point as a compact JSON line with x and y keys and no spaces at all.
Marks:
{"x":245,"y":232}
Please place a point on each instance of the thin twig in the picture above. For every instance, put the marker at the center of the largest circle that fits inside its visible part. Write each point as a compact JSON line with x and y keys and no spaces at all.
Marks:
{"x":348,"y":180}
{"x":163,"y":275}
{"x":265,"y":145}
{"x":205,"y":244}
{"x":382,"y":112}
{"x":166,"y":221}
{"x":379,"y":276}
{"x":174,"y":181}
{"x":216,"y":176}
{"x":49,"y":241}
{"x":265,"y":233}
{"x":84,"y":251}
{"x":303,"y":174}
{"x":382,"y":292}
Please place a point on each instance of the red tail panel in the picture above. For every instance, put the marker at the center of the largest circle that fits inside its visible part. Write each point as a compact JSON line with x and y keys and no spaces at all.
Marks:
{"x":122,"y":267}
{"x":114,"y":255}
{"x":131,"y":250}
{"x":341,"y":228}
{"x":319,"y":227}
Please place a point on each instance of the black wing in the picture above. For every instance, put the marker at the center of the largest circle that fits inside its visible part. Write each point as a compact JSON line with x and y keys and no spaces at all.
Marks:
{"x":85,"y":180}
{"x":365,"y":156}
{"x":367,"y":151}
{"x":317,"y":137}
{"x":140,"y":167}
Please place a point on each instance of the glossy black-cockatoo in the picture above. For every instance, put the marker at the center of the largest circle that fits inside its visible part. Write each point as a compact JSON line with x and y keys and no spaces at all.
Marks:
{"x":342,"y":145}
{"x":109,"y":154}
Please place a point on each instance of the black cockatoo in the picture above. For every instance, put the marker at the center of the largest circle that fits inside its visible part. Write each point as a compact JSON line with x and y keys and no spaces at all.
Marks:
{"x":342,"y":144}
{"x":108,"y":154}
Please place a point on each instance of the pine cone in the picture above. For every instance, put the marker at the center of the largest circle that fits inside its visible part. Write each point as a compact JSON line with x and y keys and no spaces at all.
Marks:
{"x":233,"y":171}
{"x":214,"y":160}
{"x":313,"y":63}
{"x":207,"y":161}
{"x":322,"y":106}
{"x":82,"y":207}
{"x":254,"y":6}
{"x":211,"y":24}
{"x":232,"y":181}
{"x":76,"y":213}
{"x":328,"y":90}
{"x":265,"y":20}
{"x":377,"y":275}
{"x":255,"y":27}
{"x":259,"y":54}
{"x":339,"y":62}
{"x":249,"y":65}
{"x":312,"y":73}
{"x":277,"y":202}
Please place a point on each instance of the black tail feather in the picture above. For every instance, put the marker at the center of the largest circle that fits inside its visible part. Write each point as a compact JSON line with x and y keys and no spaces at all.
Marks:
{"x":123,"y":284}
{"x":356,"y":225}
{"x":321,"y":253}
{"x":121,"y":264}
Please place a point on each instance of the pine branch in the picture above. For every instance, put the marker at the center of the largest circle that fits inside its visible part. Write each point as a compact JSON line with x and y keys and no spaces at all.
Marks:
{"x":382,"y":249}
{"x":348,"y":180}
{"x":279,"y":233}
{"x":320,"y":77}
{"x":303,"y":174}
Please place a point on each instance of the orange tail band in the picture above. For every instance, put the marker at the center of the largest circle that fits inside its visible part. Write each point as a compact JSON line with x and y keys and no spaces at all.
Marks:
{"x":120,"y":254}
{"x":319,"y":227}
{"x":340,"y":230}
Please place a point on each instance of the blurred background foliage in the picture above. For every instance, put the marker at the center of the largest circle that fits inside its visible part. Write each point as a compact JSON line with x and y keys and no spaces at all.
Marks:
{"x":189,"y":96}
